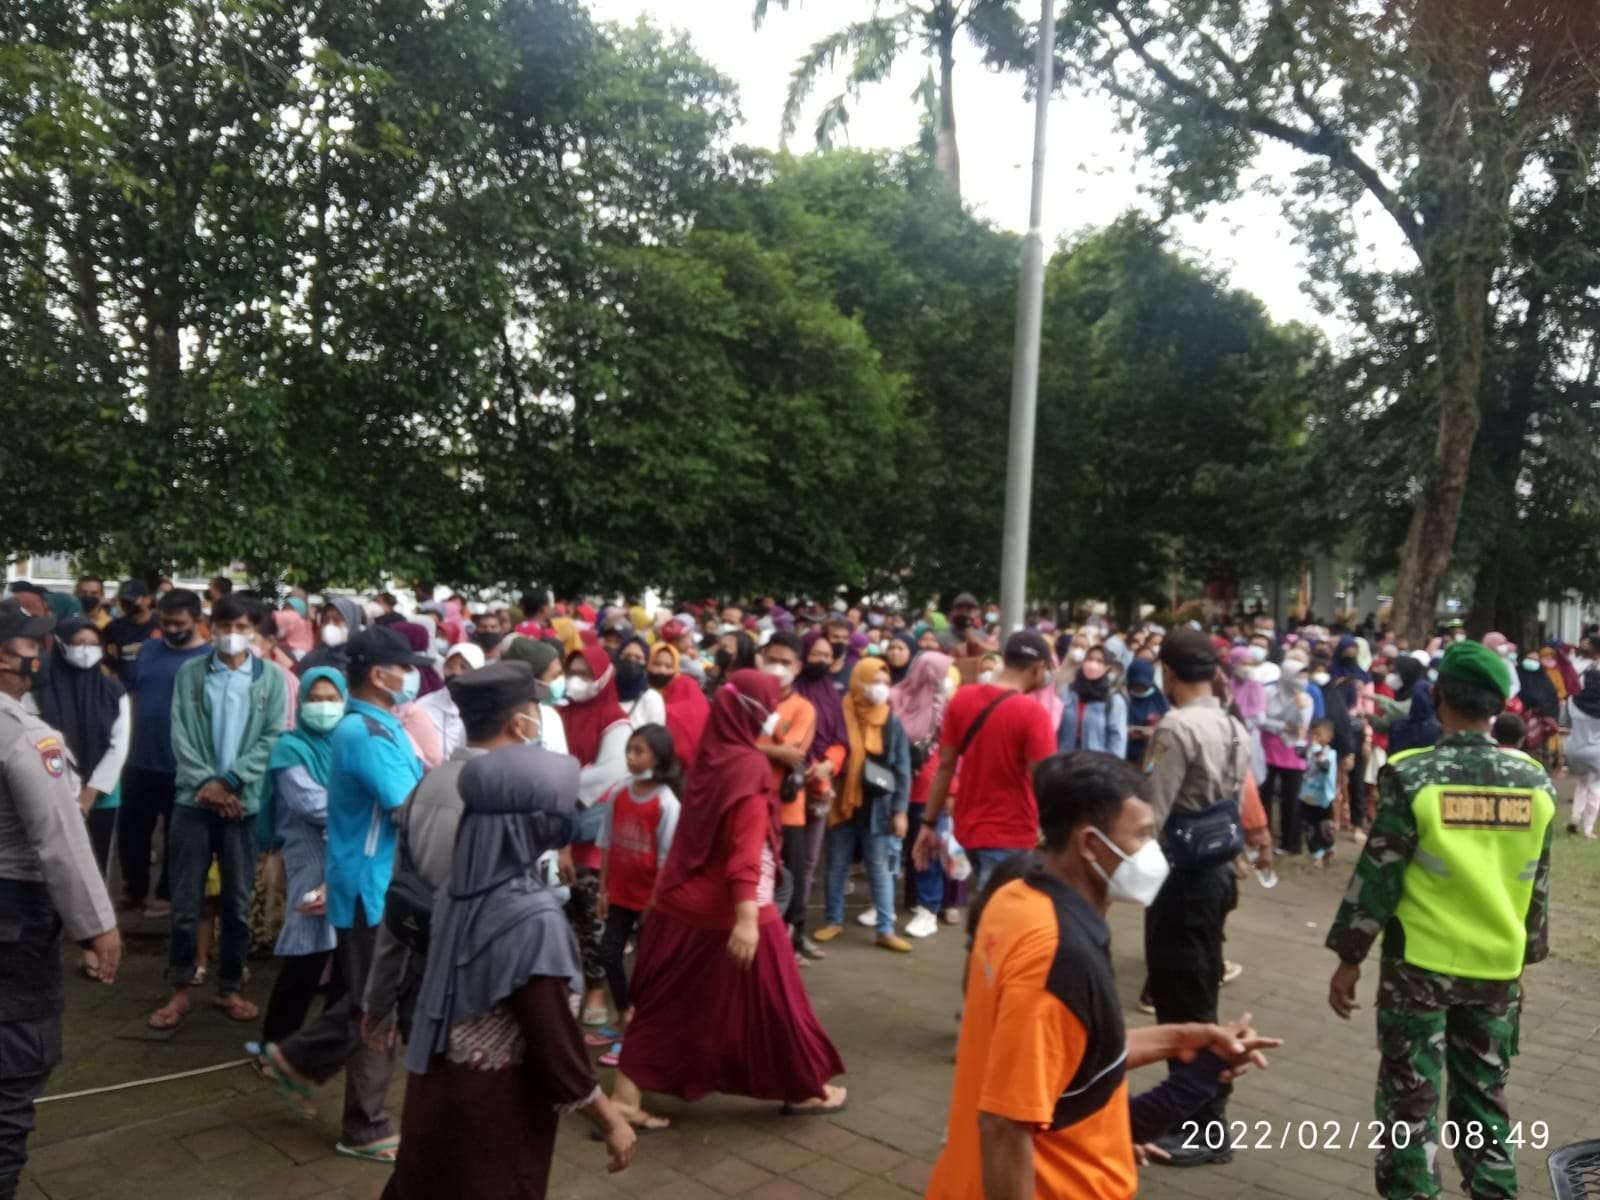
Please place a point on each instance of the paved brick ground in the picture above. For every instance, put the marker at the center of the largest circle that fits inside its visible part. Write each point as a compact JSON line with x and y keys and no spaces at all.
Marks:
{"x":223,"y":1134}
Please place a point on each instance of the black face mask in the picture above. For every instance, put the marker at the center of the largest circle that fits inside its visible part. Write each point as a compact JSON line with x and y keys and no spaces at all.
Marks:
{"x":838,"y":649}
{"x":961,"y":621}
{"x":816,"y":670}
{"x":629,"y":672}
{"x":723,"y":659}
{"x":660,"y":679}
{"x":89,"y":603}
{"x":28,"y":668}
{"x":181,"y":639}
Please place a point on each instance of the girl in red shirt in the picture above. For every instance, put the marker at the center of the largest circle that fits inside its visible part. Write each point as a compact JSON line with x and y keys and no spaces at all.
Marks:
{"x":641,"y":817}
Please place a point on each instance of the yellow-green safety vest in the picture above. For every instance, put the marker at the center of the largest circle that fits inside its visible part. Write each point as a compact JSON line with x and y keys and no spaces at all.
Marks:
{"x":1470,"y":882}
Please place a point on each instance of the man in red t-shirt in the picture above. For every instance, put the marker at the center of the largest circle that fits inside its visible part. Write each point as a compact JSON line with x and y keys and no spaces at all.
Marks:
{"x":997,"y":816}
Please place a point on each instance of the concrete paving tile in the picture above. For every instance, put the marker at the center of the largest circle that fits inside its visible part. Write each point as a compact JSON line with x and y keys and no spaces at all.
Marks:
{"x":827,"y":1176}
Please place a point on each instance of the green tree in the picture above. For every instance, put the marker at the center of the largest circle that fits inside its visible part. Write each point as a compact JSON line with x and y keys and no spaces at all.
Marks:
{"x":872,"y":46}
{"x":1171,"y":424}
{"x":1432,"y":109}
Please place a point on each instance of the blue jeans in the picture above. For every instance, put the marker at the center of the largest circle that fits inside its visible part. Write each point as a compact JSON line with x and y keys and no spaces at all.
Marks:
{"x":197,"y":834}
{"x":882,"y":855}
{"x":983,"y":864}
{"x":925,"y":888}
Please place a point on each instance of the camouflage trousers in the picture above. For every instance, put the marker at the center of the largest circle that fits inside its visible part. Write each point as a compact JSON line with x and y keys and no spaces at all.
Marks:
{"x":1432,"y":1028}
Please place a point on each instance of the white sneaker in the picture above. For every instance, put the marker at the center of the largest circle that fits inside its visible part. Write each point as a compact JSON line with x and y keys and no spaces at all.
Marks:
{"x":952,"y":916}
{"x":868,"y":917}
{"x":922,"y":924}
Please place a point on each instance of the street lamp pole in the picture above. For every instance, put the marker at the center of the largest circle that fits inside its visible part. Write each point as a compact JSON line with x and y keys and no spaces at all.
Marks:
{"x":1025,"y":360}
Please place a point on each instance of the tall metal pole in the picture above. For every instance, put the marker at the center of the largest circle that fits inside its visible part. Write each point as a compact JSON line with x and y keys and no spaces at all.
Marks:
{"x":1025,"y":361}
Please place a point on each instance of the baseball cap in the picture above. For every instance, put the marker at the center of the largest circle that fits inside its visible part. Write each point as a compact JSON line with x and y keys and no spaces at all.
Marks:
{"x":964,"y":600}
{"x":1030,"y":648}
{"x":382,"y":647}
{"x":1190,"y":653}
{"x":493,"y":688}
{"x":27,"y":585}
{"x":15,"y":622}
{"x":132,"y":589}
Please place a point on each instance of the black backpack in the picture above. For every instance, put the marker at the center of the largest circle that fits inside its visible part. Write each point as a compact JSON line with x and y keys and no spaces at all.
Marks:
{"x":408,"y":904}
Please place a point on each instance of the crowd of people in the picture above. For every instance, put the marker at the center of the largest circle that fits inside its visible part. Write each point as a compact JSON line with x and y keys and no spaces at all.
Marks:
{"x":455,"y":821}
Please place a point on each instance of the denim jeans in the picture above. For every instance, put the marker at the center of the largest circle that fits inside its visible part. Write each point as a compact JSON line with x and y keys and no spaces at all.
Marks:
{"x":881,"y":853}
{"x":983,"y":864}
{"x":924,"y":889}
{"x":197,"y":834}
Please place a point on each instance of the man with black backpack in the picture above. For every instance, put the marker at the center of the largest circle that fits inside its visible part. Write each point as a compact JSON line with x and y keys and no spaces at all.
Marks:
{"x":1194,"y":775}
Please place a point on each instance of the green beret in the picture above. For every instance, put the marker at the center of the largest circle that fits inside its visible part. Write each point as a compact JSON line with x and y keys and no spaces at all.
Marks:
{"x":1474,"y":663}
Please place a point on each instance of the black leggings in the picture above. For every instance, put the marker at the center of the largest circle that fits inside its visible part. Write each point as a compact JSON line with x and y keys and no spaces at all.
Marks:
{"x":620,"y":924}
{"x":293,"y":992}
{"x":1284,"y":785}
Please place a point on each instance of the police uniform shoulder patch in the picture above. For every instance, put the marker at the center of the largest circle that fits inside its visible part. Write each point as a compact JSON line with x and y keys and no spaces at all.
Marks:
{"x":53,"y":756}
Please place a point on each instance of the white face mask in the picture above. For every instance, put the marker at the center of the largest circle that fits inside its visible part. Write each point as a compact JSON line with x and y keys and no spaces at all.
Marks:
{"x":232,"y":643}
{"x":985,"y":676}
{"x":1394,"y":682}
{"x":1320,"y":678}
{"x":1137,"y":879}
{"x":580,"y":690}
{"x":1258,"y":654}
{"x":1077,"y":654}
{"x":770,"y":725}
{"x":85,"y":658}
{"x":1433,"y":677}
{"x":335,"y":635}
{"x":782,"y":674}
{"x":642,"y":776}
{"x":877,"y":693}
{"x":1530,"y":664}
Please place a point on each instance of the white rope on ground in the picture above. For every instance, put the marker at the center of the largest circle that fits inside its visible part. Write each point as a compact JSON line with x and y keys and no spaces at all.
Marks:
{"x":133,"y":1083}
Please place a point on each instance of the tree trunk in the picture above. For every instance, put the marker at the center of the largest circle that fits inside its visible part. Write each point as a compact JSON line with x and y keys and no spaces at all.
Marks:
{"x":1430,"y":540}
{"x":946,"y":156}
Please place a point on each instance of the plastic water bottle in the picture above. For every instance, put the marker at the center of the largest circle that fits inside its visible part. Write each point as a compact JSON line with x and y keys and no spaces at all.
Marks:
{"x":956,"y":863}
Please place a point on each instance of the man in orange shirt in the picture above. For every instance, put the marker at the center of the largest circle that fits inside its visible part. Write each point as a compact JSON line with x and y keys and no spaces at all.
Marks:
{"x":1040,"y":1106}
{"x":786,"y":750}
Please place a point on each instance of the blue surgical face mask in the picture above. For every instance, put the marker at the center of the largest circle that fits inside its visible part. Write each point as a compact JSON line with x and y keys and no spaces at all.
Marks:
{"x":553,"y":692}
{"x":409,"y":687}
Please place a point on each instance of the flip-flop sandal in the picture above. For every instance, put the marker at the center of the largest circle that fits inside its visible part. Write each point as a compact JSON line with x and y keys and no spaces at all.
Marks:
{"x":234,"y":1012}
{"x":296,"y":1095}
{"x":639,"y":1130}
{"x":167,"y":1024}
{"x":597,"y":1039}
{"x":612,"y":1056}
{"x":595,"y":1016}
{"x":385,"y":1151}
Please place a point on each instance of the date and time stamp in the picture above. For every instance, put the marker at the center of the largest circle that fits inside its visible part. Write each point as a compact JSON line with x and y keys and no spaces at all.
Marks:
{"x":1350,"y":1135}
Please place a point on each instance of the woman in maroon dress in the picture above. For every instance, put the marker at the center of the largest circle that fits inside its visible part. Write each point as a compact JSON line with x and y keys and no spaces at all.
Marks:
{"x":719,"y":1002}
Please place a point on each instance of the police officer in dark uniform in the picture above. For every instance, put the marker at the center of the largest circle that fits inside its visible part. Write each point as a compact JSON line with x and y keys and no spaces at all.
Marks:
{"x":48,"y":880}
{"x":1198,"y":758}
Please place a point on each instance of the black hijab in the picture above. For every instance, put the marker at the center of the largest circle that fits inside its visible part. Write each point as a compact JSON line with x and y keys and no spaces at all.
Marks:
{"x":1537,"y":693}
{"x":1410,"y":672}
{"x":1587,"y":701}
{"x":81,"y":704}
{"x":898,"y":674}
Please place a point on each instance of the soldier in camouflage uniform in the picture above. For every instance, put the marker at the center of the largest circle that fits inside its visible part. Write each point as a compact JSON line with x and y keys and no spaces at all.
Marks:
{"x":1456,"y":876}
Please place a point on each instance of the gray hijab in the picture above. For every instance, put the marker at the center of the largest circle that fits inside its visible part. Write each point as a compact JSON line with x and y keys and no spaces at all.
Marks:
{"x":495,"y":925}
{"x":355,"y":616}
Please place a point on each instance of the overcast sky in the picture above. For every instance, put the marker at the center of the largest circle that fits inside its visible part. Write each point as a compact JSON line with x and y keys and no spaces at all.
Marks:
{"x":1094,"y":172}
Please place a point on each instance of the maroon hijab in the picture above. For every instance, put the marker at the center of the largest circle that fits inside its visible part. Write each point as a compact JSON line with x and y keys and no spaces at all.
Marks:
{"x":586,"y":723}
{"x":421,"y":643}
{"x":727,"y":769}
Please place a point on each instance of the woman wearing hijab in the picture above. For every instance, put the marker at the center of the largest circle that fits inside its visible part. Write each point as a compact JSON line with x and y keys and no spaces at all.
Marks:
{"x":719,"y":1005}
{"x":294,"y":633}
{"x":1147,"y":704}
{"x":597,"y":736}
{"x":299,"y":767}
{"x":549,"y":683}
{"x":898,"y":654}
{"x":341,"y":618}
{"x":686,"y":706}
{"x":830,"y":746}
{"x":421,"y":641}
{"x":1094,"y":716}
{"x":568,"y":633}
{"x":1583,"y":754}
{"x":871,"y":821}
{"x":919,"y":703}
{"x":495,"y":1057}
{"x":639,"y":700}
{"x":1249,"y":703}
{"x":91,"y":712}
{"x":1285,"y":729}
{"x":1541,"y":706}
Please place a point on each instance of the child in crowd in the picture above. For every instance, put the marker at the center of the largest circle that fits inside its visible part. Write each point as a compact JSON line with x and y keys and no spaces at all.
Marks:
{"x":641,"y":815}
{"x":1509,"y":731}
{"x":1317,"y":792}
